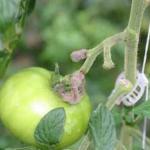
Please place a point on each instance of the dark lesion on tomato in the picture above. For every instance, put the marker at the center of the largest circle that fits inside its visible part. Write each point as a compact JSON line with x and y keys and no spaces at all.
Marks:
{"x":70,"y":87}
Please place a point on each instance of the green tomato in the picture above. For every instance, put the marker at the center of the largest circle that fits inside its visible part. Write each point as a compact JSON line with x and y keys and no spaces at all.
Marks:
{"x":27,"y":96}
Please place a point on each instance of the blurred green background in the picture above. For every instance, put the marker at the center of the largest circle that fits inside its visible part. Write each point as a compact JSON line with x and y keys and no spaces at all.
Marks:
{"x":58,"y":27}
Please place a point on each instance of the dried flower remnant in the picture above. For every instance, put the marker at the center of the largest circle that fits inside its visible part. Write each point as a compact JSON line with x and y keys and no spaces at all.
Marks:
{"x":78,"y":55}
{"x":71,"y":88}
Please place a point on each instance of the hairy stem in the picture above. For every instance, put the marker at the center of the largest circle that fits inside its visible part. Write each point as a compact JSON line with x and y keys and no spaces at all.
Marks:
{"x":137,"y":133}
{"x":126,"y":137}
{"x":93,"y":53}
{"x":131,"y":50}
{"x":132,"y":38}
{"x":133,"y":133}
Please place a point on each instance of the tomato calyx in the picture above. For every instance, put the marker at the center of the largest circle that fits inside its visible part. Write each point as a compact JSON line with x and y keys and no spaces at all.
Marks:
{"x":70,"y":87}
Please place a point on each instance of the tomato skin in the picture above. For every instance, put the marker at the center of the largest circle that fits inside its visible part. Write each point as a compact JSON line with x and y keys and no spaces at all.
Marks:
{"x":27,"y":96}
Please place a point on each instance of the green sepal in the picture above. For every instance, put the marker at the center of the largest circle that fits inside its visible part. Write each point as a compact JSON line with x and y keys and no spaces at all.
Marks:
{"x":50,"y":129}
{"x":56,"y":77}
{"x":59,"y":81}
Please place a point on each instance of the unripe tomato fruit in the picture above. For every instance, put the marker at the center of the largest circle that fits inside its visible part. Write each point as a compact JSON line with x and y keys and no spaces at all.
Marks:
{"x":27,"y":96}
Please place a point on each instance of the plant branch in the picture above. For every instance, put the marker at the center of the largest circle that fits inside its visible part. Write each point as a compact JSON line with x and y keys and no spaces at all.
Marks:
{"x":131,"y":38}
{"x":93,"y":53}
{"x":122,"y":87}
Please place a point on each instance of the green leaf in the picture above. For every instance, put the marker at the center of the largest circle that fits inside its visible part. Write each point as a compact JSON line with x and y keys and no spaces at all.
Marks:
{"x":51,"y":127}
{"x":16,"y":8}
{"x":4,"y":61}
{"x":8,"y":10}
{"x":102,"y":129}
{"x":15,"y":17}
{"x":143,"y":109}
{"x":26,"y":7}
{"x":12,"y":18}
{"x":30,"y":5}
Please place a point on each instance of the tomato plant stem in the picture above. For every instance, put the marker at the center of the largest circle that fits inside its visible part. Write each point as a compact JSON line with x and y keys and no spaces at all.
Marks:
{"x":137,"y":134}
{"x":125,"y":138}
{"x":131,"y":49}
{"x":132,"y":38}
